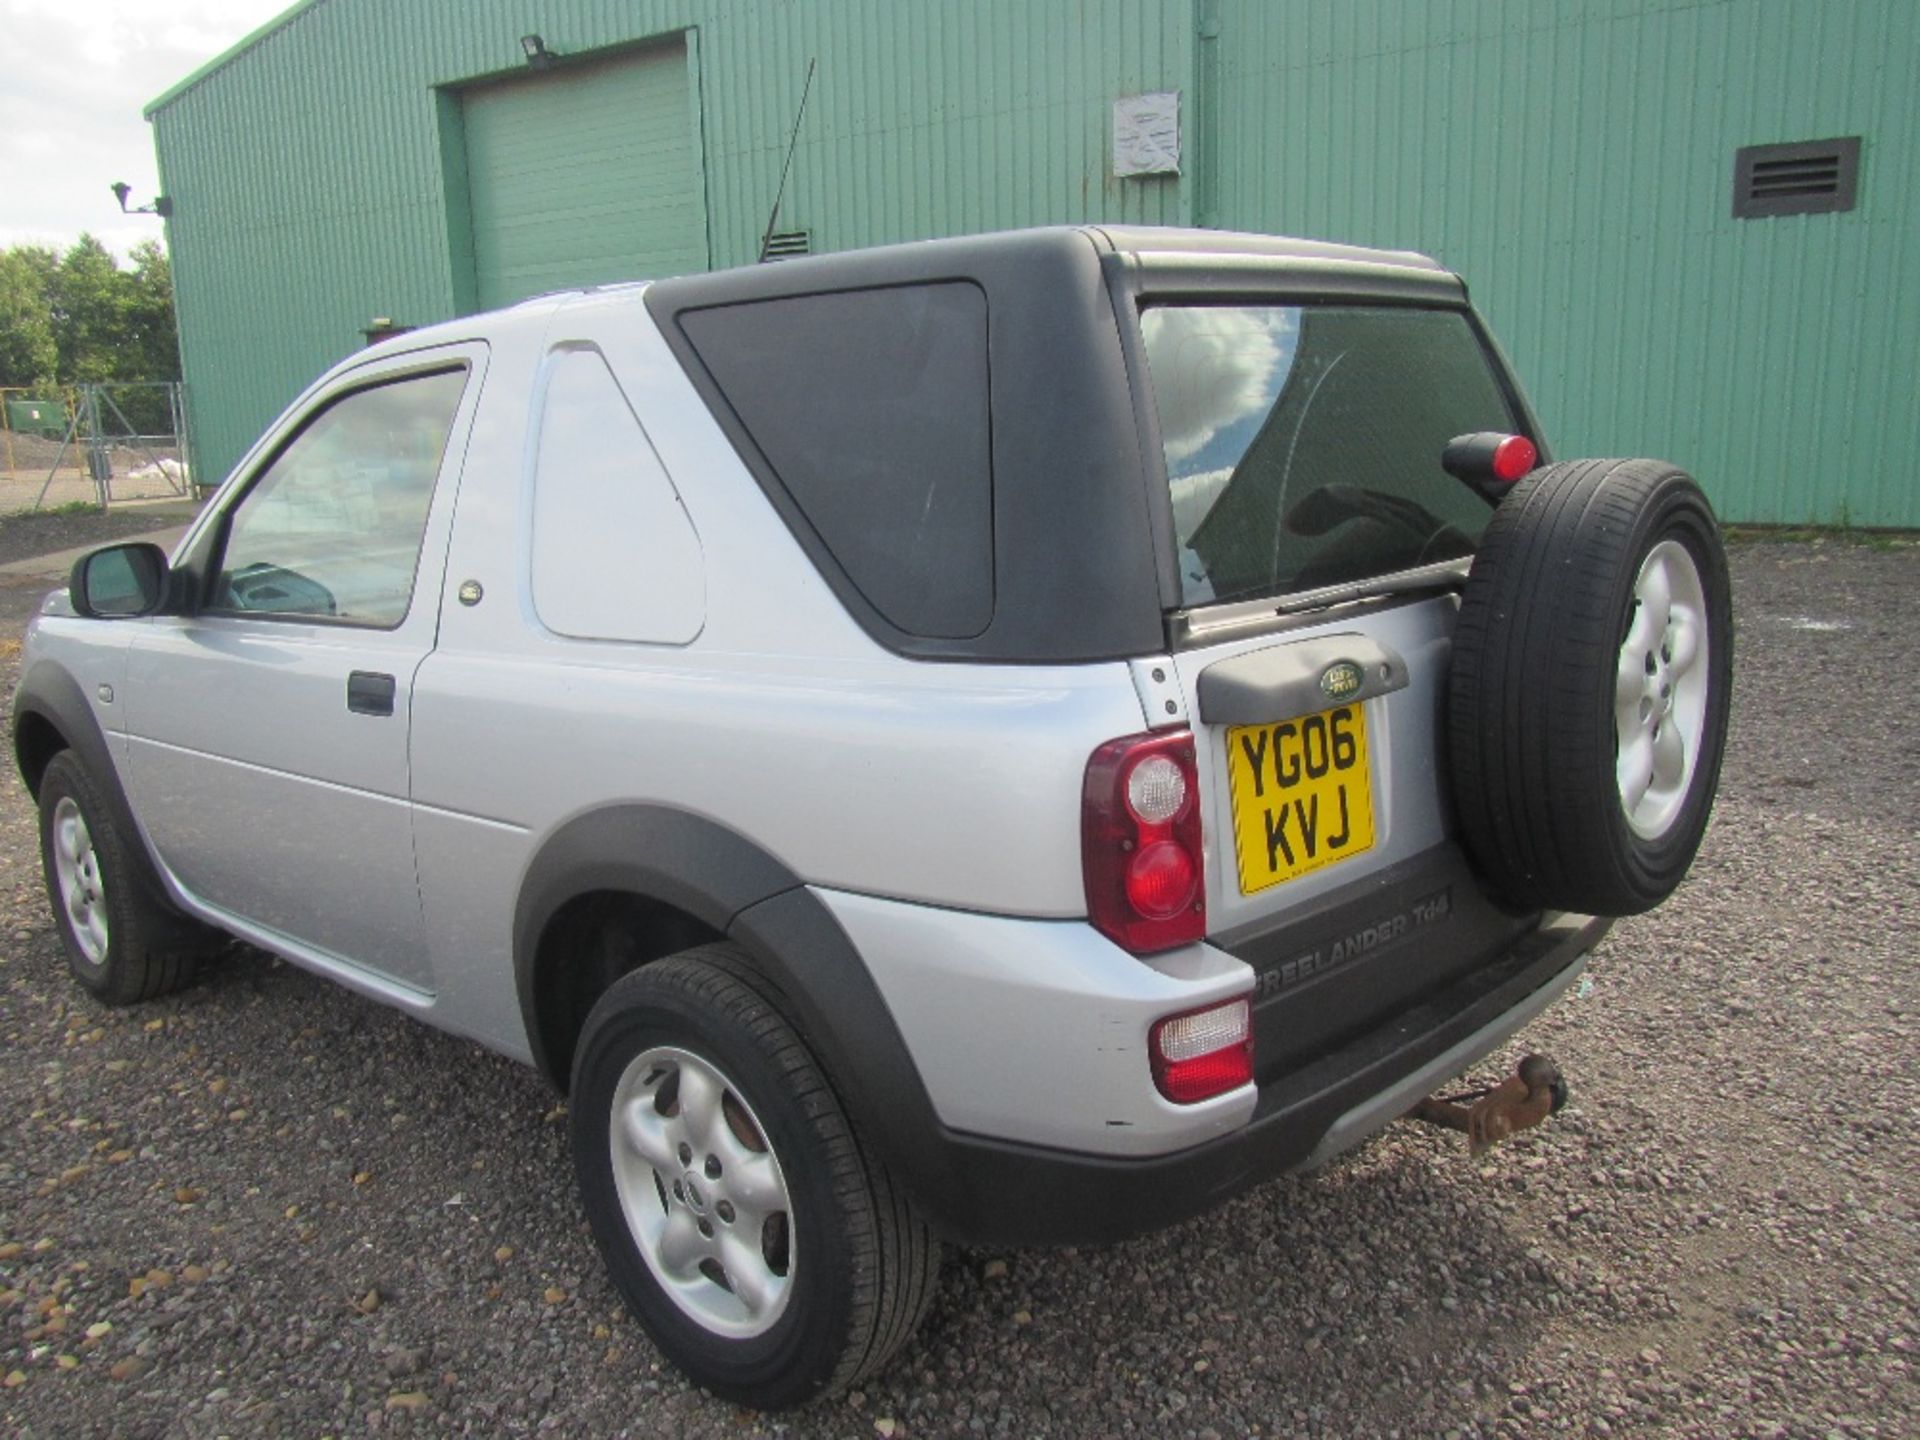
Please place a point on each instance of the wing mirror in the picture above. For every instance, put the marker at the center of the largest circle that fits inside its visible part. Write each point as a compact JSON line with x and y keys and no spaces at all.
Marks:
{"x":120,"y":582}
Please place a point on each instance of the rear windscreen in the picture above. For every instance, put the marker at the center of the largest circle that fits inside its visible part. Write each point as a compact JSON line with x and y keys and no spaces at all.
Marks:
{"x":1303,"y":443}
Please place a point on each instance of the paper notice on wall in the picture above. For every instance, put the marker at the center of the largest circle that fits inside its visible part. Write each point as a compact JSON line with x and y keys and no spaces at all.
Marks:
{"x":1146,"y":134}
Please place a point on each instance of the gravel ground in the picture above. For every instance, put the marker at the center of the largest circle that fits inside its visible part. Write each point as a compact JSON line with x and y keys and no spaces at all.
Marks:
{"x":266,"y":1207}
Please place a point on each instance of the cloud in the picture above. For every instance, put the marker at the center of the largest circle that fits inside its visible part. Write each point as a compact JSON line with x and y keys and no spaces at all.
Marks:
{"x":1215,"y":365}
{"x":1194,"y":495}
{"x":70,"y":110}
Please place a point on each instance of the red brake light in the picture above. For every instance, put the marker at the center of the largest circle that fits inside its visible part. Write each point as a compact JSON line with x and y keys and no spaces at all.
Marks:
{"x":1513,"y":457}
{"x":1140,"y":842}
{"x":1202,"y":1053}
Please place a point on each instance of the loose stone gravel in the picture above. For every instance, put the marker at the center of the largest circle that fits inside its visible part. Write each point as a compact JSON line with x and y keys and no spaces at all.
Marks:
{"x":266,"y":1207}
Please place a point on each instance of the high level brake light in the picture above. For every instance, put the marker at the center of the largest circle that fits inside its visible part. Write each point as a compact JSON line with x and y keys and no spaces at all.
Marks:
{"x":1489,"y":460}
{"x":1140,"y":842}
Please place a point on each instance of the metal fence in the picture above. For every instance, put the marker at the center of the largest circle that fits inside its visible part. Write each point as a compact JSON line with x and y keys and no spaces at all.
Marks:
{"x":103,"y":445}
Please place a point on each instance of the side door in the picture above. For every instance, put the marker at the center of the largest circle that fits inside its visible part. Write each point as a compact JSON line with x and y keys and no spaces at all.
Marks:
{"x":268,"y":726}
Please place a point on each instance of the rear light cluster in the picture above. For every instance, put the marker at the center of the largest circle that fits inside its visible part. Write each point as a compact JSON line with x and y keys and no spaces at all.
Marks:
{"x":1203,"y":1053}
{"x":1140,"y":842}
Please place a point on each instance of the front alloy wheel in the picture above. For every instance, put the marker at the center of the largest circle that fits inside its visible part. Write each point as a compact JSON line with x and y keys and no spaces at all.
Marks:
{"x":76,"y":878}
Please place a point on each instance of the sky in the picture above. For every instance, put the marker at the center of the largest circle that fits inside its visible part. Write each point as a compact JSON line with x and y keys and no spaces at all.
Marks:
{"x":74,"y":77}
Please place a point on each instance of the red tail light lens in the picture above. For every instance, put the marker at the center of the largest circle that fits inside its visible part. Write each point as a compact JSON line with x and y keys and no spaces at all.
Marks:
{"x":1203,"y":1053}
{"x":1140,"y":842}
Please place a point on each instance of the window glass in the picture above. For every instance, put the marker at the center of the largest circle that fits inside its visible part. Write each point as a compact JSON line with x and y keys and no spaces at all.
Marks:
{"x":871,"y":407}
{"x":333,"y":526}
{"x":615,"y":556}
{"x":1303,"y":443}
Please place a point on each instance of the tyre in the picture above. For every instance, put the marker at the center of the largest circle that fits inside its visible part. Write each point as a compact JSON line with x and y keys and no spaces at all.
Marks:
{"x":1588,"y":693}
{"x":767,"y":1255}
{"x":121,"y":943}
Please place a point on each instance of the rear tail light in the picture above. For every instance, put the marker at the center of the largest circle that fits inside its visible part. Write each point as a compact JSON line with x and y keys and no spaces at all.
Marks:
{"x":1203,"y":1053}
{"x":1140,"y":842}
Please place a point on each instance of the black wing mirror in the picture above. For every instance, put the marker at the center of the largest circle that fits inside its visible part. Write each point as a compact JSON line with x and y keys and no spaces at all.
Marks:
{"x":120,"y":582}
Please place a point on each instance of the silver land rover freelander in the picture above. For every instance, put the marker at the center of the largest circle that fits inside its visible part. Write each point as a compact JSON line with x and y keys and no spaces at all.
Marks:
{"x":1013,"y":739}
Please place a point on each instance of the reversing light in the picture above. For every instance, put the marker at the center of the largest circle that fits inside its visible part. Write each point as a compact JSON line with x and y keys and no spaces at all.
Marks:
{"x":1202,"y":1053}
{"x":1156,"y":789}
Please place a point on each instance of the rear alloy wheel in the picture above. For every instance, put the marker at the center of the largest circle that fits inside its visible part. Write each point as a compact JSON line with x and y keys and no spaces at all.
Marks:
{"x":1589,"y":688}
{"x":766,"y":1252}
{"x":702,"y":1192}
{"x":121,"y":943}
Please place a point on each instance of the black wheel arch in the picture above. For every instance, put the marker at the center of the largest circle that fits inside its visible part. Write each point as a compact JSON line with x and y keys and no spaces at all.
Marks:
{"x":689,"y":879}
{"x":51,"y":714}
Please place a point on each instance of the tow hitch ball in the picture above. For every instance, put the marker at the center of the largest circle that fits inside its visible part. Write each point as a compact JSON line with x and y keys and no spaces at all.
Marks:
{"x":1525,"y":1098}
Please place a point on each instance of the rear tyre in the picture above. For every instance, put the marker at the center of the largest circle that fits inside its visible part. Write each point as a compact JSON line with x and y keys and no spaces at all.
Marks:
{"x":121,"y":944}
{"x":766,"y":1253}
{"x":1589,"y":689}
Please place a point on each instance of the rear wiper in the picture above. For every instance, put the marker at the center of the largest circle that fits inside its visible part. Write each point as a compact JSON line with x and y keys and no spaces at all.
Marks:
{"x":1440,"y":575}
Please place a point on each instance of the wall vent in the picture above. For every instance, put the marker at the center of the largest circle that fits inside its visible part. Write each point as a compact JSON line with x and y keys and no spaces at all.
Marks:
{"x":785,"y":244}
{"x":1809,"y":177}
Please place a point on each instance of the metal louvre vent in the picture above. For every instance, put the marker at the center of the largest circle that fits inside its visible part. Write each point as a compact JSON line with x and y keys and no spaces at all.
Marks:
{"x":785,"y":244}
{"x":1810,"y":177}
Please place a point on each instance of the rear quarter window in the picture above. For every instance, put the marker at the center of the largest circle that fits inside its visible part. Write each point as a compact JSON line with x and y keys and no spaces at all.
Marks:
{"x":871,"y":408}
{"x":615,"y":555}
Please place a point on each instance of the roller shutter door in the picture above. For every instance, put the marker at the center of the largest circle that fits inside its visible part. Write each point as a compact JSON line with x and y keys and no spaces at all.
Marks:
{"x":584,"y":174}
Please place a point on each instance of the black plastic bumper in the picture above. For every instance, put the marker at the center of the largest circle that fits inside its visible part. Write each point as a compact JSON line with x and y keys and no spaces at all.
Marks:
{"x":989,"y":1192}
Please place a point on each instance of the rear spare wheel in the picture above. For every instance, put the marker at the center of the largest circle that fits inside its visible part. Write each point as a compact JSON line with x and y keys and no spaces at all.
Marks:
{"x":1592,"y":669}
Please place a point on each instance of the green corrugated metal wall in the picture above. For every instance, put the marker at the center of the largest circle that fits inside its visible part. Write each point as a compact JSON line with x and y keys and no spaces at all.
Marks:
{"x":1572,"y":157}
{"x":583,"y":176}
{"x":1574,"y":160}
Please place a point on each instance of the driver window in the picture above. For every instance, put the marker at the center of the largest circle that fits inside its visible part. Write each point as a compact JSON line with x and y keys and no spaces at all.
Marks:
{"x":333,"y":526}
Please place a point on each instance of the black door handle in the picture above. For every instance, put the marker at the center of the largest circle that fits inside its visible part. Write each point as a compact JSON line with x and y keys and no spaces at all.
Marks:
{"x":369,"y":693}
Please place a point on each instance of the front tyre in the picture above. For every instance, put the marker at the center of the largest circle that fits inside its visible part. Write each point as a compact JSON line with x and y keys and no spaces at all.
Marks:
{"x":768,"y":1257}
{"x":120,"y":943}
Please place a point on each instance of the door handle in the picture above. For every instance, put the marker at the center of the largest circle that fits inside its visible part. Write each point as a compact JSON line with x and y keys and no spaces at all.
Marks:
{"x":369,"y":693}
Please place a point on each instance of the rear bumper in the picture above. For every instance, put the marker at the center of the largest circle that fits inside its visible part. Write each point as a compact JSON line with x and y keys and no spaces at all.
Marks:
{"x":994,"y":1192}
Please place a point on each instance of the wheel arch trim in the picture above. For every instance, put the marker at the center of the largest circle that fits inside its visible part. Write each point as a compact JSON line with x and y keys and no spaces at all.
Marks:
{"x":49,"y":695}
{"x":728,"y":883}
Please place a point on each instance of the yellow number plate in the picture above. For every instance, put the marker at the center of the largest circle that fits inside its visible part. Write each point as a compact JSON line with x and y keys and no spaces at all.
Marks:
{"x":1302,"y":794}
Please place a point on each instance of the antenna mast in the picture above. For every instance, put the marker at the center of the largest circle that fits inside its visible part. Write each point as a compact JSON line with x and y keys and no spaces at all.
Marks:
{"x":766,"y":240}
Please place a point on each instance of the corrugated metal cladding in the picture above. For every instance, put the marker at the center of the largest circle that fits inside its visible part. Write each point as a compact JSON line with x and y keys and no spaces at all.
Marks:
{"x":1573,"y":158}
{"x":583,"y":176}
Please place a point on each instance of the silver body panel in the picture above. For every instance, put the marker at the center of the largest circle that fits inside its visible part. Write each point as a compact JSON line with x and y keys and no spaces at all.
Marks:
{"x":1036,"y":1030}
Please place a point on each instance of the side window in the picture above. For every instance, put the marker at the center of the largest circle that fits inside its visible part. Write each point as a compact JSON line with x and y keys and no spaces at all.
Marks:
{"x":614,"y":555}
{"x":333,"y":526}
{"x":871,"y":407}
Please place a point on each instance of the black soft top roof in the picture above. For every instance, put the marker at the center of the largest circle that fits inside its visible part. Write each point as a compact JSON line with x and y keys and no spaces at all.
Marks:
{"x":1080,"y":569}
